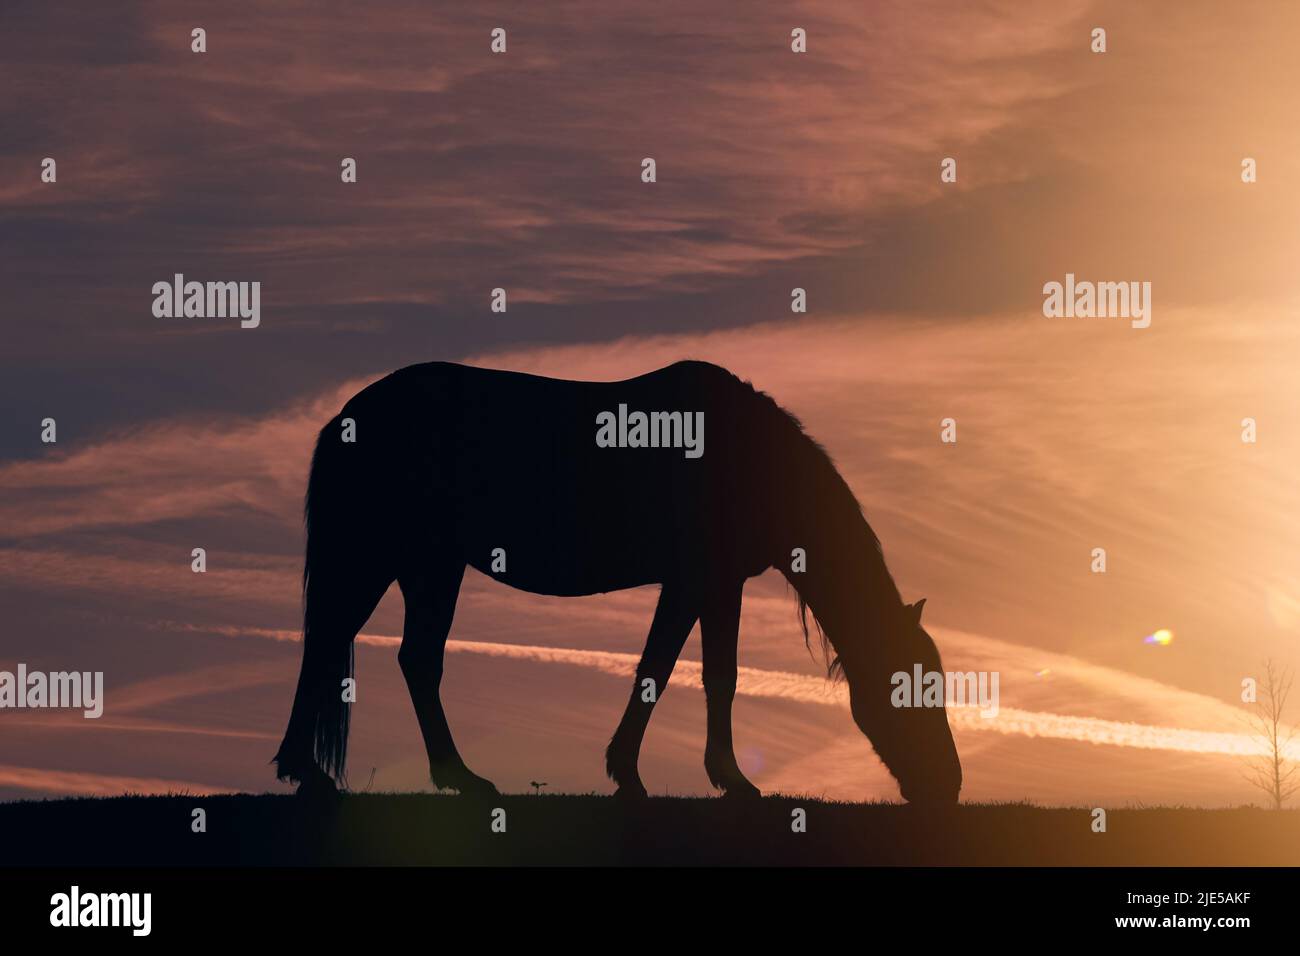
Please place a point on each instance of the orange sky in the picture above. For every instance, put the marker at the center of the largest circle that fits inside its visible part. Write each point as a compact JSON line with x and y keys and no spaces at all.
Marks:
{"x":776,"y":170}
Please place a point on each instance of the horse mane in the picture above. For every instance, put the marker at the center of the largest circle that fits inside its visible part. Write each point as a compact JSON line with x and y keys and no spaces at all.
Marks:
{"x":827,"y":472}
{"x":827,"y":485}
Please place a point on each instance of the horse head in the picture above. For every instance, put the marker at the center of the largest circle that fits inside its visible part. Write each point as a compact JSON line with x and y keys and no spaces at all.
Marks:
{"x":914,"y":742}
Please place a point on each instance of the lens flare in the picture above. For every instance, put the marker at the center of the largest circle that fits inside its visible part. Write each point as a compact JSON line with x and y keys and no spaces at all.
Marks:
{"x":1163,"y":637}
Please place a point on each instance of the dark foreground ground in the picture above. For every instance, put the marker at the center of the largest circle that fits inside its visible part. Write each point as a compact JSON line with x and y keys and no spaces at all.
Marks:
{"x":427,"y":829}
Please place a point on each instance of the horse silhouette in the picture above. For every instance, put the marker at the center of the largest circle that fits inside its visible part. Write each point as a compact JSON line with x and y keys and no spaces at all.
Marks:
{"x":450,"y":465}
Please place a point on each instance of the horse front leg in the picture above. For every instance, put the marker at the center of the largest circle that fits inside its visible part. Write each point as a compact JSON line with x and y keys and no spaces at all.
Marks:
{"x":719,"y":636}
{"x":674,"y":617}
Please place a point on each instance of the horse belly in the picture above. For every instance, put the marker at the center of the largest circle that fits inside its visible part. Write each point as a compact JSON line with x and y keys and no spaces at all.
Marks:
{"x":577,"y":528}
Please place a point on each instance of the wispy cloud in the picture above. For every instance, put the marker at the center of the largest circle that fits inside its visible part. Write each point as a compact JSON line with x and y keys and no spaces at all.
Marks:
{"x":803,"y":689}
{"x":41,"y":780}
{"x":525,"y":145}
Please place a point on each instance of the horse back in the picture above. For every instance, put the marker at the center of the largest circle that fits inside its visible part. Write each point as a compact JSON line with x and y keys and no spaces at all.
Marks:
{"x":510,"y":461}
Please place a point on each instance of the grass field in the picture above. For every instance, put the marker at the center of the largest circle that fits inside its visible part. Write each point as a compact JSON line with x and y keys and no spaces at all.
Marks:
{"x":430,"y":829}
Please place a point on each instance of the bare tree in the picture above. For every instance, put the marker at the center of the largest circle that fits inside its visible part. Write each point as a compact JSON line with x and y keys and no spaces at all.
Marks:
{"x":1274,"y":771}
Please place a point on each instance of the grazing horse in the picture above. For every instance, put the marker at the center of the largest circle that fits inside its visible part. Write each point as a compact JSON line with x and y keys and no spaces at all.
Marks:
{"x":575,"y":488}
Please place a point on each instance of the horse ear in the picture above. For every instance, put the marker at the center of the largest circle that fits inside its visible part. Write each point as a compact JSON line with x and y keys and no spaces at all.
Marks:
{"x":916,"y":610}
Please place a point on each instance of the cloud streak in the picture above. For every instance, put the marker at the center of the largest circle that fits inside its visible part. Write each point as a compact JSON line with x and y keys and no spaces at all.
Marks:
{"x":803,"y":689}
{"x":40,"y":780}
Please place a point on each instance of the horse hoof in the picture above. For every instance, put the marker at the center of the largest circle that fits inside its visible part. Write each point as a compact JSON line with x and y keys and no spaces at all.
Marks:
{"x":631,"y":792}
{"x":318,"y":790}
{"x":742,"y":790}
{"x":464,"y":782}
{"x":479,"y":789}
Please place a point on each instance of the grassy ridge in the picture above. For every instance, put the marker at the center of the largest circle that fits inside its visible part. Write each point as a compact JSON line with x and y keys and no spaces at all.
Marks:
{"x":428,"y":829}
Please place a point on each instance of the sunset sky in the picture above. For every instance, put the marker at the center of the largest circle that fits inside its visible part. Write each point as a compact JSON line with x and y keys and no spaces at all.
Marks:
{"x":775,"y":170}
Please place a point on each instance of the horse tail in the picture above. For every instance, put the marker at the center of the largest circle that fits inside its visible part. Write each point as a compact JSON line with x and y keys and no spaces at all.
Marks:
{"x":342,"y":581}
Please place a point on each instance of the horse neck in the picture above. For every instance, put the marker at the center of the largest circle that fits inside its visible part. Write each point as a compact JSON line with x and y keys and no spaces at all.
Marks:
{"x":846,"y":583}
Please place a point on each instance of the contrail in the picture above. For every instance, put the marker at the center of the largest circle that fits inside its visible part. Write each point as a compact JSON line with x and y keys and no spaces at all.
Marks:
{"x":802,"y":688}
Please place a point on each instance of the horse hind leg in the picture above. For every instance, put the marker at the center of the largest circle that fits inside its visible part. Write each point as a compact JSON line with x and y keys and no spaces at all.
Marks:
{"x":340,"y":595}
{"x":674,"y":617}
{"x":430,"y":597}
